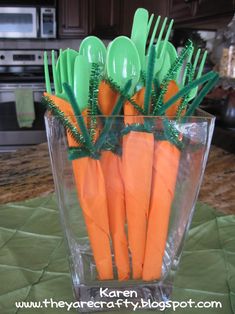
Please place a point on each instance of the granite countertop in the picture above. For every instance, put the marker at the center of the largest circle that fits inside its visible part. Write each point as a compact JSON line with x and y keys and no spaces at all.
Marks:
{"x":27,"y":173}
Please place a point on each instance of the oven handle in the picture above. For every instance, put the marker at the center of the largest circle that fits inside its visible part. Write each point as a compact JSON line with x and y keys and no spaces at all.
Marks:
{"x":12,"y":88}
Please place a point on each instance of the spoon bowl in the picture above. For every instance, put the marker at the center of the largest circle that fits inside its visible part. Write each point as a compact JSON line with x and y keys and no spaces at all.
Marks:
{"x":169,"y":58}
{"x":93,"y":49}
{"x":123,"y":62}
{"x":82,"y":70}
{"x":139,"y":33}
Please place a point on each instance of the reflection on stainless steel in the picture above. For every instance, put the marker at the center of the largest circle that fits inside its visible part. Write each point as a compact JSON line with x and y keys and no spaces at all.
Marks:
{"x":27,"y":22}
{"x":20,"y":69}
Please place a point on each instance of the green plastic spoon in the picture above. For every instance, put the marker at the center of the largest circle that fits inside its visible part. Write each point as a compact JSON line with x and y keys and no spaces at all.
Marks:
{"x":61,"y":67}
{"x":82,"y":70}
{"x":94,"y":49}
{"x":170,"y":48}
{"x":139,"y":33}
{"x":123,"y":62}
{"x":169,"y":58}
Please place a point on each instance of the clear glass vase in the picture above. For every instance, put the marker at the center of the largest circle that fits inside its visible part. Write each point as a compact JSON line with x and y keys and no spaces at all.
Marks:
{"x":126,"y":209}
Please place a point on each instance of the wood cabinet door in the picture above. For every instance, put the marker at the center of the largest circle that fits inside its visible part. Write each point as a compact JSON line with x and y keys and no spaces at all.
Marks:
{"x":158,"y":7}
{"x":105,"y":18}
{"x":214,"y":7}
{"x":182,"y":9}
{"x":73,"y":18}
{"x":186,"y":10}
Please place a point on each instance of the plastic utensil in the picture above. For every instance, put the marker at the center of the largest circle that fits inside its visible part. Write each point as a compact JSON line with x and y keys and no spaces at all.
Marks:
{"x":82,"y":70}
{"x":169,"y":59}
{"x":139,"y":33}
{"x":56,"y":76}
{"x":170,"y":48}
{"x":150,"y":21}
{"x":181,"y":78}
{"x":93,"y":49}
{"x":63,"y":70}
{"x":59,"y":71}
{"x":123,"y":62}
{"x":61,"y":67}
{"x":46,"y":73}
{"x":193,"y":92}
{"x":71,"y":56}
{"x":165,"y":67}
{"x":160,"y":53}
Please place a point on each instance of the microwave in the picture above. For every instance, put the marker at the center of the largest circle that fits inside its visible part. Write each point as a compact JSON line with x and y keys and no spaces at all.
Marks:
{"x":27,"y":22}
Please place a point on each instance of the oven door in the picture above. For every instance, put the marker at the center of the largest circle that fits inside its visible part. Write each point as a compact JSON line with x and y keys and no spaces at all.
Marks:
{"x":11,"y":135}
{"x":18,"y":22}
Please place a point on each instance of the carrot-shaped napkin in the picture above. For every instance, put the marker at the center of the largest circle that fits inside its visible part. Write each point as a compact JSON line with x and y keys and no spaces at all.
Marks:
{"x":107,"y":98}
{"x":137,"y":162}
{"x":91,"y":190}
{"x":111,"y":165}
{"x":165,"y":170}
{"x":172,"y":90}
{"x":66,"y":109}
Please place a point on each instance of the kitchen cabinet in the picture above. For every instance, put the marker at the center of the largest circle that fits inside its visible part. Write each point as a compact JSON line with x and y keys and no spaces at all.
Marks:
{"x":199,"y":10}
{"x":186,"y":13}
{"x":79,"y":18}
{"x":105,"y":18}
{"x":110,"y":18}
{"x":73,"y":18}
{"x":158,"y":7}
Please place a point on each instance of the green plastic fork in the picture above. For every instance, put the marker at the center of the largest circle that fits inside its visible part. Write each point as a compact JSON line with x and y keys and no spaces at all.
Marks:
{"x":55,"y":74}
{"x":46,"y":73}
{"x":61,"y":72}
{"x":161,"y":43}
{"x":194,"y":91}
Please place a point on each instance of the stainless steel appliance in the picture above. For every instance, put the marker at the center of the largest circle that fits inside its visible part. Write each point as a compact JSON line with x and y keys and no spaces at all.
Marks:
{"x":47,"y":23}
{"x":27,"y":22}
{"x":20,"y":69}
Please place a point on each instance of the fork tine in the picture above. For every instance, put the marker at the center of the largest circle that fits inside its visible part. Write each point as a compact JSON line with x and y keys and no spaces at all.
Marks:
{"x":69,"y":68}
{"x":190,"y":55}
{"x":154,"y":32}
{"x":160,"y":36}
{"x":54,"y":73}
{"x":201,"y":67}
{"x":184,"y":74}
{"x":194,"y":64}
{"x":167,"y":37}
{"x":150,"y":23}
{"x":193,"y":92}
{"x":46,"y":73}
{"x":63,"y":72}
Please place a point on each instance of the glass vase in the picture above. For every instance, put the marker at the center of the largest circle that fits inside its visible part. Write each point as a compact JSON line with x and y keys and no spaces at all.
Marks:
{"x":126,"y":209}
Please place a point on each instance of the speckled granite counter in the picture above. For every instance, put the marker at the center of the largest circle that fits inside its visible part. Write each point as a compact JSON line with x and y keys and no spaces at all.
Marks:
{"x":27,"y":174}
